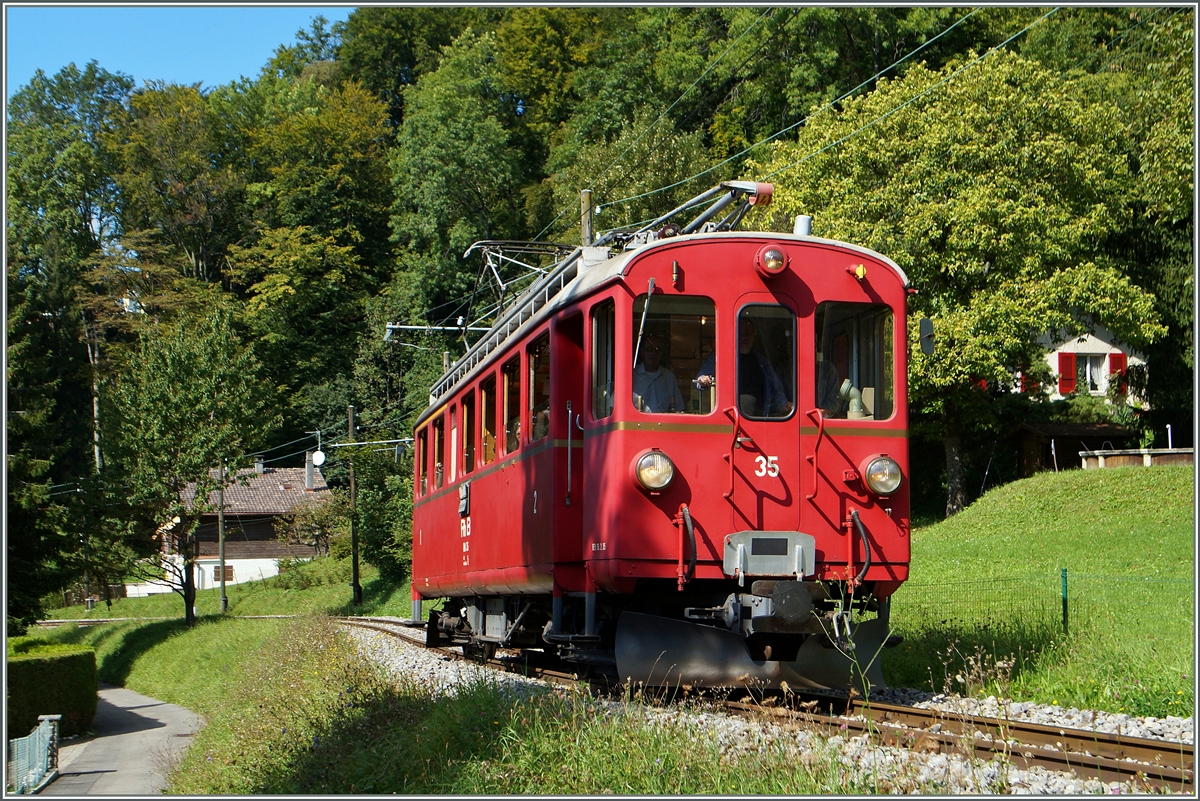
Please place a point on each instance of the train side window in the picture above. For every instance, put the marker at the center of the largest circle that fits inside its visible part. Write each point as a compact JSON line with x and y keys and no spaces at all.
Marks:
{"x":419,"y":459}
{"x":677,"y":346}
{"x":855,"y":360}
{"x":487,"y":418}
{"x":766,"y":369}
{"x":452,"y":451}
{"x":539,"y":388}
{"x":468,"y":433}
{"x":511,"y":413}
{"x":439,"y":452}
{"x":604,"y":325}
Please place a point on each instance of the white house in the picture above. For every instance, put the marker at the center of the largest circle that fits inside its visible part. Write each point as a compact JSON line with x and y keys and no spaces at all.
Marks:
{"x":252,"y":506}
{"x":1089,"y":363}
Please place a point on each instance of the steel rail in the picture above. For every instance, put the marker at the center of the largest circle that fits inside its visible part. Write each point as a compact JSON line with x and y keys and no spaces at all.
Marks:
{"x":1159,"y":764}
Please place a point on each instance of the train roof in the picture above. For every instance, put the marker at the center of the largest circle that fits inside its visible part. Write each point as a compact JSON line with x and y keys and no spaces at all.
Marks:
{"x":583,"y":272}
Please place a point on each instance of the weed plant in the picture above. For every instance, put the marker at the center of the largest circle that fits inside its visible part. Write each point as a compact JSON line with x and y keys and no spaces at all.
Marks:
{"x":985,"y":585}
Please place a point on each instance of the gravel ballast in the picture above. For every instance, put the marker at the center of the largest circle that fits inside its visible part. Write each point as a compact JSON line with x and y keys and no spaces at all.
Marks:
{"x":891,"y":769}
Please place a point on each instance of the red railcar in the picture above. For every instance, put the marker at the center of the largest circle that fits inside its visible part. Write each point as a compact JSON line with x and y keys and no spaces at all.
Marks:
{"x":682,"y":453}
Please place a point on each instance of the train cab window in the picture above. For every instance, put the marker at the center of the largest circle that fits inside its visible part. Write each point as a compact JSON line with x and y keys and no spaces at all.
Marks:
{"x":604,"y":326}
{"x":678,"y":336}
{"x":422,"y":447}
{"x":539,"y":388}
{"x":439,"y":452}
{"x":855,"y":378}
{"x":487,"y":419}
{"x":511,"y":413}
{"x":766,"y":361}
{"x":468,"y":433}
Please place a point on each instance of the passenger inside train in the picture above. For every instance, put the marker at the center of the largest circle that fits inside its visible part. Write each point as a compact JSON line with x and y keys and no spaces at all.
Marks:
{"x":655,"y":388}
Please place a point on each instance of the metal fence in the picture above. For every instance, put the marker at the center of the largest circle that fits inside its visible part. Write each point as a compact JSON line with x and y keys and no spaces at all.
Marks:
{"x":33,"y":760}
{"x":1048,"y":603}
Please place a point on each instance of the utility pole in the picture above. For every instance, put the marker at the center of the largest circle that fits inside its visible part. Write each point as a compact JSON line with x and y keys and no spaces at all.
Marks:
{"x":585,"y":225}
{"x":353,"y":519}
{"x":221,"y":532}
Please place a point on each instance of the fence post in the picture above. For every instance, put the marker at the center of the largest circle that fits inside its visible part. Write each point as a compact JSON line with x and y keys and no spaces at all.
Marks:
{"x":1064,"y":599}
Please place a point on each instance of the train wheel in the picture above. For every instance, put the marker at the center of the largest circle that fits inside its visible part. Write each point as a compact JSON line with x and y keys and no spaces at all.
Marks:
{"x":433,"y":637}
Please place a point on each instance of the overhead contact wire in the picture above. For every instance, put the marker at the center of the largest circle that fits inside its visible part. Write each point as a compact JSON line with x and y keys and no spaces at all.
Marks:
{"x":799,"y":122}
{"x":914,"y":98}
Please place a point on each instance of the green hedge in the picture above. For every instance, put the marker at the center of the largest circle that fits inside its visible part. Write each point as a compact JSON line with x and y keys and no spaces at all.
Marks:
{"x":52,"y":680}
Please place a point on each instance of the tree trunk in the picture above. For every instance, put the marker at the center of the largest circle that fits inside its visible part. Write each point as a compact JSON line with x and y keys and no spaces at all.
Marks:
{"x":956,"y":496}
{"x":93,"y":351}
{"x":189,"y":580}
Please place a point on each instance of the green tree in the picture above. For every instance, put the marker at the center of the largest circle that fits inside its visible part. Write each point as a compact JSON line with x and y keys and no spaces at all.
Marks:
{"x":305,"y":295}
{"x":457,"y":174}
{"x":315,"y":50}
{"x":48,"y":433}
{"x":387,"y":49}
{"x":61,"y":212}
{"x":994,"y":189}
{"x":1156,"y":84}
{"x":191,"y":397}
{"x":316,"y":523}
{"x":178,"y":180}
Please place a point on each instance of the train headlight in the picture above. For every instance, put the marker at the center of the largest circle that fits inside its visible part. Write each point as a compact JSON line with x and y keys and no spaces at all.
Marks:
{"x":771,"y":261}
{"x":654,"y":470}
{"x":882,"y":475}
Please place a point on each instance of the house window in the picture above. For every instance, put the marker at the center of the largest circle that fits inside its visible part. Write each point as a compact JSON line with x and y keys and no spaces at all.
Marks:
{"x":217,"y":574}
{"x":539,"y":388}
{"x":1091,"y":372}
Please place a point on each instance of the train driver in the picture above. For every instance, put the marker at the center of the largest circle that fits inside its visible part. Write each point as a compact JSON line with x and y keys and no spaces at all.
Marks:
{"x":760,"y":392}
{"x":654,"y":387}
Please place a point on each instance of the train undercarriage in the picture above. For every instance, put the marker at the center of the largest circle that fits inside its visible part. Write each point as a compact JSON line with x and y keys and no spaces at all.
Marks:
{"x":807,"y":636}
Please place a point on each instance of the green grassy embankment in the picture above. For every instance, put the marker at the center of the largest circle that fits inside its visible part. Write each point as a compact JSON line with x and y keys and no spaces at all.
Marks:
{"x":291,"y":707}
{"x":982,"y":611}
{"x":322,"y":585}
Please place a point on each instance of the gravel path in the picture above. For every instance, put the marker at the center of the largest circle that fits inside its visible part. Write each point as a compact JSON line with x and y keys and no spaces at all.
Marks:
{"x":894,"y":770}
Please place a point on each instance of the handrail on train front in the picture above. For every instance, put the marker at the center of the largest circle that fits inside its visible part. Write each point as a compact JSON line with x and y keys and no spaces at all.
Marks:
{"x":820,"y":418}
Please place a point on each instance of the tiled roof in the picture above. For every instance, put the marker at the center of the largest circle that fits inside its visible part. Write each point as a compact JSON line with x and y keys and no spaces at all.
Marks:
{"x":277,"y":491}
{"x":1049,"y":430}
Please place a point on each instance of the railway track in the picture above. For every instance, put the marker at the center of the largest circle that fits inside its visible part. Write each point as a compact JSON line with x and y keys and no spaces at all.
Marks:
{"x":1157,"y":764}
{"x":1154,"y":764}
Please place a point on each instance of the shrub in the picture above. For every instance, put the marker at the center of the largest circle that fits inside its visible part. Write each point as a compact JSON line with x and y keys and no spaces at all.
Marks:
{"x":51,"y":680}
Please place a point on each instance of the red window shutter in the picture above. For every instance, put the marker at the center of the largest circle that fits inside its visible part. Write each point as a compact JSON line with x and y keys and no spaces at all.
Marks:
{"x":1116,"y":366}
{"x":1066,"y":373}
{"x":1028,"y":384}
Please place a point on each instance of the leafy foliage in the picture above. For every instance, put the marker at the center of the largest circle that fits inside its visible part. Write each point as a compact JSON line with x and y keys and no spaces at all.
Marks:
{"x":191,"y":399}
{"x":997,"y":185}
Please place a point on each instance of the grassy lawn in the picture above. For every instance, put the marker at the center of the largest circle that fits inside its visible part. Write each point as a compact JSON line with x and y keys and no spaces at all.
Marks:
{"x":982,"y":611}
{"x":319,"y":586}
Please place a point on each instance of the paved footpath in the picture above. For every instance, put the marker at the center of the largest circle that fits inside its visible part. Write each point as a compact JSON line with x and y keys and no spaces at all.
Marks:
{"x":137,"y":740}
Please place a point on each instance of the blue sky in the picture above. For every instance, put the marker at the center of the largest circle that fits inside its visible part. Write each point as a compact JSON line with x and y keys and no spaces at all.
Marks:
{"x":210,"y":44}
